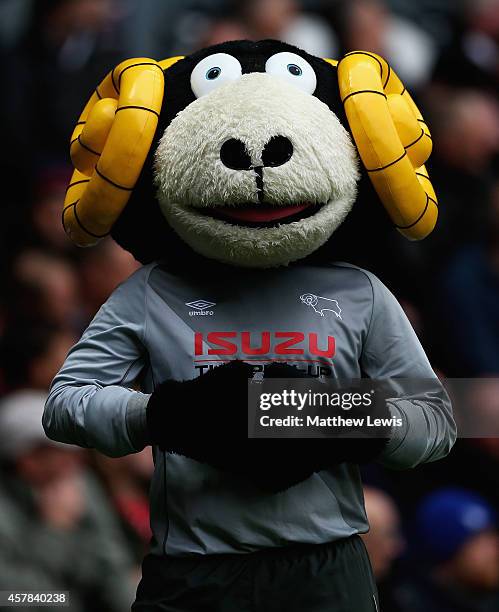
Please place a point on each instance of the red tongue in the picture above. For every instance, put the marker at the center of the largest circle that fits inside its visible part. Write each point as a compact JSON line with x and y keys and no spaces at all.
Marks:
{"x":261,"y":213}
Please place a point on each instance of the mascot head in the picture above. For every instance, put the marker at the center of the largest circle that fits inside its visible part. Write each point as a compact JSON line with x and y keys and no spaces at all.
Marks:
{"x":247,"y":151}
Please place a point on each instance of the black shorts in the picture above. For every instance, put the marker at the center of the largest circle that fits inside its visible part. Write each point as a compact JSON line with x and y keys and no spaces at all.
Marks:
{"x":335,"y":577}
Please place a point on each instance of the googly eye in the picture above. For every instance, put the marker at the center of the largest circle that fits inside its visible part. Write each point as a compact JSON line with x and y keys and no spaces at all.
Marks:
{"x":294,"y":69}
{"x":213,"y":71}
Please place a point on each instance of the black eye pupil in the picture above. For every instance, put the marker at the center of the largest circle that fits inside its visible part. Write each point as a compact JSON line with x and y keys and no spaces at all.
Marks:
{"x":213,"y":73}
{"x":294,"y":70}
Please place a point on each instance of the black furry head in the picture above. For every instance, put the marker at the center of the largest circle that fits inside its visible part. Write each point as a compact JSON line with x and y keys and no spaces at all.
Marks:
{"x":142,"y":228}
{"x":252,"y":57}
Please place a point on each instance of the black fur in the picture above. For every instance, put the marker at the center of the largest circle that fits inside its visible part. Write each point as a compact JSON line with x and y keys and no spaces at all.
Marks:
{"x":206,"y":419}
{"x":142,"y":229}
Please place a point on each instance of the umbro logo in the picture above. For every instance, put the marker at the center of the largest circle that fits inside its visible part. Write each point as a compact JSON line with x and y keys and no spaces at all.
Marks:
{"x":200,"y":308}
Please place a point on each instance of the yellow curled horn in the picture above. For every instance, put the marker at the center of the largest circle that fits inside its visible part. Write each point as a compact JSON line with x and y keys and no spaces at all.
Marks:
{"x":109,"y":146}
{"x":392,"y":138}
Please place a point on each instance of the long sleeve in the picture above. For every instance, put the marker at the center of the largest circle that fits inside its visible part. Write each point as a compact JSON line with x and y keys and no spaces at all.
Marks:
{"x":90,"y":403}
{"x":393,"y":351}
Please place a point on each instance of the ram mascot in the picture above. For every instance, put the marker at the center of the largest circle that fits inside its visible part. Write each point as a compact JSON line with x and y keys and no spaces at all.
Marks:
{"x":223,"y":173}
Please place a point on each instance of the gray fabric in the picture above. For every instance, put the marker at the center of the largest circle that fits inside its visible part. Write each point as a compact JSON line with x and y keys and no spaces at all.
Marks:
{"x":136,"y":422}
{"x":147,"y":327}
{"x":392,"y":350}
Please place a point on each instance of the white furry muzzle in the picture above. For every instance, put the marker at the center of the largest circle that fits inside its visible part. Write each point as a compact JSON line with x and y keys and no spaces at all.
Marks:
{"x":193,"y":181}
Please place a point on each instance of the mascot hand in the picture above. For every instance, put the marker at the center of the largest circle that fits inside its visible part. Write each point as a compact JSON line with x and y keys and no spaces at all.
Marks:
{"x":206,"y":419}
{"x":189,"y":416}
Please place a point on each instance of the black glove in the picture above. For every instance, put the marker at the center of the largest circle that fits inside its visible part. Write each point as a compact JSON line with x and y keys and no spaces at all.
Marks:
{"x":206,"y":419}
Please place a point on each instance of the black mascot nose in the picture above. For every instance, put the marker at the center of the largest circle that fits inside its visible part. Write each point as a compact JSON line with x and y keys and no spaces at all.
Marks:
{"x":234,"y":155}
{"x":276,"y":152}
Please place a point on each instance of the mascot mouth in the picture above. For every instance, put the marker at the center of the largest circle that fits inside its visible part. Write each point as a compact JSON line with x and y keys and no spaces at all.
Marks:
{"x":258,"y":215}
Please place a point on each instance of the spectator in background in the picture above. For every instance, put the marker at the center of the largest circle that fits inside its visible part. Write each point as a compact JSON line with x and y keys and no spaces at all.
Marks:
{"x":36,"y":220}
{"x":69,"y":48}
{"x":371,"y":26}
{"x":284,"y":20}
{"x":44,"y":288}
{"x":50,"y":190}
{"x":32,"y":355}
{"x":221,"y":30}
{"x":469,"y":299}
{"x":14,"y":18}
{"x":57,"y":531}
{"x":465,"y":131}
{"x":465,"y":126}
{"x":384,"y":541}
{"x":472,"y":57}
{"x":48,"y":288}
{"x":459,"y":545}
{"x":162,"y":29}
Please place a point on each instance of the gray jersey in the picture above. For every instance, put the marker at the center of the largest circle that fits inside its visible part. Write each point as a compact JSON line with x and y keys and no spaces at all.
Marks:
{"x":335,"y":319}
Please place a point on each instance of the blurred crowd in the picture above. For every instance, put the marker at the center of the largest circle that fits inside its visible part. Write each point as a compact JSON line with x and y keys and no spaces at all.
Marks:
{"x":71,"y":519}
